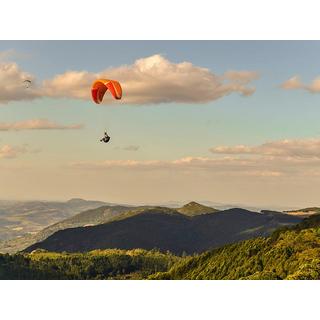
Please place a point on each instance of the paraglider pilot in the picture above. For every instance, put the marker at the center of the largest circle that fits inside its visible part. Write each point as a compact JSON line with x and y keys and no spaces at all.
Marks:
{"x":106,"y":138}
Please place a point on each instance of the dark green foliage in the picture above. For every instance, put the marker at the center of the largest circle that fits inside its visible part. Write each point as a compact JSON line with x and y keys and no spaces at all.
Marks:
{"x":107,"y":264}
{"x":288,"y":254}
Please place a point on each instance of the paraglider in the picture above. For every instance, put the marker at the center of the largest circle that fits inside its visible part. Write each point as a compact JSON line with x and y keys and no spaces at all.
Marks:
{"x":98,"y":90}
{"x":27,"y":83}
{"x":106,"y":138}
{"x":100,"y":86}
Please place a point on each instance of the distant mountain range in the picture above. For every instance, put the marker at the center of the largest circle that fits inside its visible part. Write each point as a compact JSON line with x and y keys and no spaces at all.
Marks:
{"x":18,"y":218}
{"x":191,"y":228}
{"x":90,"y":218}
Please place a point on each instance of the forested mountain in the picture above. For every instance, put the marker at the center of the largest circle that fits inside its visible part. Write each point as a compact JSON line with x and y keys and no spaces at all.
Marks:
{"x":91,"y":217}
{"x":167,"y":229}
{"x":289,"y":253}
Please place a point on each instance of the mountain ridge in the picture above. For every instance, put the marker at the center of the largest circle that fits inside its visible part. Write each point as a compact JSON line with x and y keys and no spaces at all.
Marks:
{"x":166,"y":229}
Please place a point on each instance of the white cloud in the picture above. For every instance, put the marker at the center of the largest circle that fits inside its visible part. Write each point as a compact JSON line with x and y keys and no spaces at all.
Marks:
{"x":41,"y":124}
{"x":9,"y":152}
{"x":296,"y":83}
{"x":149,"y":80}
{"x":299,"y":148}
{"x":292,"y":83}
{"x":155,"y":80}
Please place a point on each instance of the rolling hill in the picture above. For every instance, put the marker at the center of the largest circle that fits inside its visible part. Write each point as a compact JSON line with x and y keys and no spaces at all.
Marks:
{"x":167,"y":229}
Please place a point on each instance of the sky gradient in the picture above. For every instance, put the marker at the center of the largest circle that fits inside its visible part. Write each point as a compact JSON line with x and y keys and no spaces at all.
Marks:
{"x":223,"y":121}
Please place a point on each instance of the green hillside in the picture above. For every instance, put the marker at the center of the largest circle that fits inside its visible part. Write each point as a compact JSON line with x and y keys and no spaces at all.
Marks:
{"x":106,"y":264}
{"x":289,"y":253}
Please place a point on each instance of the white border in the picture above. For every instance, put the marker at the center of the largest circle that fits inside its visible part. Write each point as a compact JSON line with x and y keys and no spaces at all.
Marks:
{"x":166,"y":19}
{"x":264,"y":300}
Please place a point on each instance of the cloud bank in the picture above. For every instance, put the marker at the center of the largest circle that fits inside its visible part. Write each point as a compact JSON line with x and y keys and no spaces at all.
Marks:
{"x":269,"y":160}
{"x":150,"y":80}
{"x":303,"y":148}
{"x":155,"y":80}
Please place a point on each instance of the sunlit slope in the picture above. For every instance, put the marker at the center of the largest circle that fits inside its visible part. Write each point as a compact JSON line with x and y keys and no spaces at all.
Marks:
{"x":287,"y":254}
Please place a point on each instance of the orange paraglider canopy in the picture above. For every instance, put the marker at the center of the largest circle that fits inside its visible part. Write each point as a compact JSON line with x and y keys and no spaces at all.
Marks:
{"x":100,"y":86}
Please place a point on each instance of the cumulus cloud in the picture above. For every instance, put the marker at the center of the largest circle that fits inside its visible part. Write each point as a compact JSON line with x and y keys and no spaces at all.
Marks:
{"x":37,"y":124}
{"x":296,"y":83}
{"x":149,"y":80}
{"x":9,"y":152}
{"x":153,"y":80}
{"x":299,"y":148}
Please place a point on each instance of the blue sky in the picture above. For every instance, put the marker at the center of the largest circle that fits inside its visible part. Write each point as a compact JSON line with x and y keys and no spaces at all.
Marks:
{"x":162,"y":131}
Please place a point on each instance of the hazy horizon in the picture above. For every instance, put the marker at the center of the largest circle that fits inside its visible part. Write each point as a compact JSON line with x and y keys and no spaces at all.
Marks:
{"x":173,"y":203}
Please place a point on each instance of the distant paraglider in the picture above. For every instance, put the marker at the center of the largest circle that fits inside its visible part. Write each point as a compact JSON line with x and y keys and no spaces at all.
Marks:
{"x":27,"y":83}
{"x":106,"y":138}
{"x":100,"y":86}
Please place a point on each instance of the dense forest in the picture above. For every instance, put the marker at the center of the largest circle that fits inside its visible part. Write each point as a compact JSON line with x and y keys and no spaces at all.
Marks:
{"x":289,"y":253}
{"x":98,"y":264}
